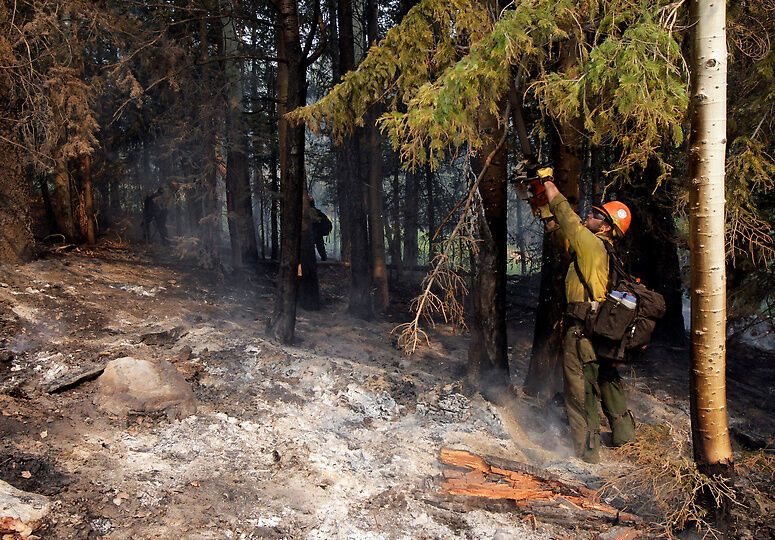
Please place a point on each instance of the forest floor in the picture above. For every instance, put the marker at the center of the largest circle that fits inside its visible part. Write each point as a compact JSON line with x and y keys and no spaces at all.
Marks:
{"x":338,"y":436}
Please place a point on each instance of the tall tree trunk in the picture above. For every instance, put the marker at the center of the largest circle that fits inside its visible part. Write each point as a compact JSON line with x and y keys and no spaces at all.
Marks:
{"x":63,"y":202}
{"x":272,"y":87}
{"x":238,"y":189}
{"x":346,"y":159}
{"x":411,"y":219}
{"x":309,"y":285}
{"x":87,"y":193}
{"x":376,"y":222}
{"x":283,"y":322}
{"x":16,"y":242}
{"x":395,"y":253}
{"x":353,"y":213}
{"x":707,"y":146}
{"x":210,"y":220}
{"x":544,"y":376}
{"x":430,"y":209}
{"x":488,"y":352}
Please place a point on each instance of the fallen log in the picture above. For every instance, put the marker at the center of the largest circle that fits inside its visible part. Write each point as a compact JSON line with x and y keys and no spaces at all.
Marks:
{"x":531,"y":490}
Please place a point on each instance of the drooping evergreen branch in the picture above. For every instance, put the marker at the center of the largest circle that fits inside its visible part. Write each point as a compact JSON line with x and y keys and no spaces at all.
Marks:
{"x":445,"y":273}
{"x":429,"y":38}
{"x":749,"y":172}
{"x":630,"y":92}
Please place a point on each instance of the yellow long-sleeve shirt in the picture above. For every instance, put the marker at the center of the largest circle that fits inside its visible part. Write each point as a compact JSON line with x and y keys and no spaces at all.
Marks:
{"x":589,"y":251}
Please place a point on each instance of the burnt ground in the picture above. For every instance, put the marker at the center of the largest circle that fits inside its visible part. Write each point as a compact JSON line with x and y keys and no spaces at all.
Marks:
{"x":337,"y":436}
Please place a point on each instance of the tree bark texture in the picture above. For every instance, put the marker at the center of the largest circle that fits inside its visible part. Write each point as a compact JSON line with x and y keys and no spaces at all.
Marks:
{"x":238,"y":193}
{"x":283,"y":322}
{"x":16,"y":242}
{"x":379,"y":275}
{"x":707,"y":146}
{"x":63,"y":202}
{"x":274,"y":251}
{"x":395,"y":248}
{"x":376,"y":221}
{"x":411,"y":218}
{"x":355,"y":184}
{"x":309,"y":285}
{"x":88,"y":223}
{"x":488,"y":351}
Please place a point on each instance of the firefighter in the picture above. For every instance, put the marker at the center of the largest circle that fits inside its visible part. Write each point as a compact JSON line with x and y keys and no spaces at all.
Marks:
{"x":155,"y":211}
{"x":588,"y":377}
{"x":321,"y":227}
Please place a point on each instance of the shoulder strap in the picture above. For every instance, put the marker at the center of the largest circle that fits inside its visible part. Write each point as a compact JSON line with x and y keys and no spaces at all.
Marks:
{"x":616,"y":268}
{"x":587,"y":289}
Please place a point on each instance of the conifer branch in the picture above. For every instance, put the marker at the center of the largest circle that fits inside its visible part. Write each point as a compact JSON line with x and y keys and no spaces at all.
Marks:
{"x":443,"y":274}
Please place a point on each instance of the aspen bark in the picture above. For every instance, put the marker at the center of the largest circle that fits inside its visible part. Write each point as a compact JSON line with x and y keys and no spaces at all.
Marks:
{"x":707,"y":147}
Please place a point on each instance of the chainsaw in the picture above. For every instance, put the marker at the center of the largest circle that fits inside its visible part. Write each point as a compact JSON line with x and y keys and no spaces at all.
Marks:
{"x":530,"y":186}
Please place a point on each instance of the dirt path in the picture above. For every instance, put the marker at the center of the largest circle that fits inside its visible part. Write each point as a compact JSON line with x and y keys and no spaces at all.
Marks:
{"x":337,"y":437}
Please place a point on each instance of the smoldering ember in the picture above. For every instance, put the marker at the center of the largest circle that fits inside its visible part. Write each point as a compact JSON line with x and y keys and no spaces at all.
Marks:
{"x":416,"y":269}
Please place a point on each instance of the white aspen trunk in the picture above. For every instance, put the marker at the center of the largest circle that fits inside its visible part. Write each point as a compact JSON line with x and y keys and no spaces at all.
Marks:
{"x":707,"y":146}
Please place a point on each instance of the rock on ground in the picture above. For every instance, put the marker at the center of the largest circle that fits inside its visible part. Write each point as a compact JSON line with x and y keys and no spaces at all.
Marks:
{"x":21,"y":512}
{"x":134,"y":385}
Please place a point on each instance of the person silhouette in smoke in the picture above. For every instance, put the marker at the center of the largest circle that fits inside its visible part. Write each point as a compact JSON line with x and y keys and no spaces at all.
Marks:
{"x":155,"y":211}
{"x":321,"y":227}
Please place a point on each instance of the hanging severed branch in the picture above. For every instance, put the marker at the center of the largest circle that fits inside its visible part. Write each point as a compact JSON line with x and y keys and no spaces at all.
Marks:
{"x":444,"y":273}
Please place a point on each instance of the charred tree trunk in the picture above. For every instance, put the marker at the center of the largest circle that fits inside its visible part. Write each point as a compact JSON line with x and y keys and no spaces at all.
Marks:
{"x":16,"y":242}
{"x":274,"y":251}
{"x":354,"y":218}
{"x":411,"y":218}
{"x":63,"y":202}
{"x":488,"y":352}
{"x":395,"y":253}
{"x":282,"y":324}
{"x":244,"y":249}
{"x":376,"y":221}
{"x":208,"y":224}
{"x":348,"y":162}
{"x":360,"y":268}
{"x":309,"y":286}
{"x":88,"y":220}
{"x":430,"y":209}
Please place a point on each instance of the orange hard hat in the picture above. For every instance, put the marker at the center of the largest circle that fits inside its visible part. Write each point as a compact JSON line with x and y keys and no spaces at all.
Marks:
{"x":618,"y":213}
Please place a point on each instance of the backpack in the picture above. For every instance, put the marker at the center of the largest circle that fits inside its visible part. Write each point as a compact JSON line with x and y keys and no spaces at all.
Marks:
{"x":626,"y":318}
{"x":323,"y":226}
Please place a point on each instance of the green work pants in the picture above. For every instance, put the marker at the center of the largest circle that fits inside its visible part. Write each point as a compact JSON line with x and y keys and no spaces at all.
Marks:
{"x":587,"y":381}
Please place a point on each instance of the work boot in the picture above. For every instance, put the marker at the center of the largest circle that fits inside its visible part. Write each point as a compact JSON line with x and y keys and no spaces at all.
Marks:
{"x":591,"y":451}
{"x":623,"y":429}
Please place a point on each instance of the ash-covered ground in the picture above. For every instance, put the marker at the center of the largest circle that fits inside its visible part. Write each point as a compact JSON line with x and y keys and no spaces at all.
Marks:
{"x":336,"y":437}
